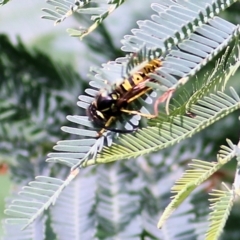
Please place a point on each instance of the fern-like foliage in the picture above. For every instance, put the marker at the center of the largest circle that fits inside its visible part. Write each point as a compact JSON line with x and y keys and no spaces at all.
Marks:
{"x":176,"y":69}
{"x":118,"y":205}
{"x":76,"y":204}
{"x":184,"y":186}
{"x":36,"y":231}
{"x":223,"y":200}
{"x":172,"y":130}
{"x":202,"y":170}
{"x":174,"y":22}
{"x":43,"y":192}
{"x":98,"y":11}
{"x":221,"y":204}
{"x":165,"y":134}
{"x":188,"y":38}
{"x":192,"y":178}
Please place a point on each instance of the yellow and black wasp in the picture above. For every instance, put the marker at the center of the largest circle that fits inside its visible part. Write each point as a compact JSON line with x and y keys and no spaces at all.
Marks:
{"x":108,"y":106}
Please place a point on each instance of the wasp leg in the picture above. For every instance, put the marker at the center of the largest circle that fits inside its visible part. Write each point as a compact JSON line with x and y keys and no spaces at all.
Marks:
{"x":165,"y":97}
{"x":107,"y":124}
{"x":142,"y":92}
{"x":138,"y":113}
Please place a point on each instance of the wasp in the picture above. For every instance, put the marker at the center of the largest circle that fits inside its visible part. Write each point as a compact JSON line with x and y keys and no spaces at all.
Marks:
{"x":108,"y":106}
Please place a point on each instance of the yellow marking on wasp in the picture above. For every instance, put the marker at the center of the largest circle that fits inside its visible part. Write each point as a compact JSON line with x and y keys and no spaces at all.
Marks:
{"x":100,"y":114}
{"x":114,"y":96}
{"x":137,"y":78}
{"x":155,"y":63}
{"x":137,"y":74}
{"x":126,"y":85}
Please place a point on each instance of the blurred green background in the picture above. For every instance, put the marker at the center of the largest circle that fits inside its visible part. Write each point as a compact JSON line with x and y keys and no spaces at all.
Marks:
{"x":5,"y":185}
